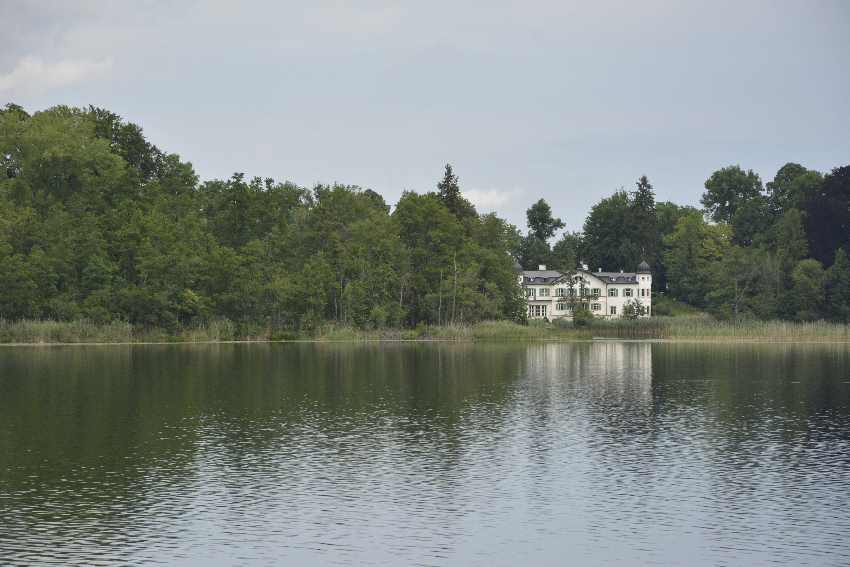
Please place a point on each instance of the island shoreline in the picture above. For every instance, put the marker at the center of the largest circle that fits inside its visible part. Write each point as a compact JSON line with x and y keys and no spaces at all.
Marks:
{"x":701,"y":329}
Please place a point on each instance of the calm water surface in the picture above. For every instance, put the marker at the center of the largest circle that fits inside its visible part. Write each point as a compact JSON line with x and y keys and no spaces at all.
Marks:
{"x":487,"y":454}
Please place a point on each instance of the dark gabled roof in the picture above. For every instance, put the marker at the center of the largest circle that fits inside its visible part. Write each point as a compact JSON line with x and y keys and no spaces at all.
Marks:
{"x":543,"y":277}
{"x":615,"y":277}
{"x":540,"y":277}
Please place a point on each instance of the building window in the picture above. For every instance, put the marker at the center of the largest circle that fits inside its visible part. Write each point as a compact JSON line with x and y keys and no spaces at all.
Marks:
{"x":529,"y":292}
{"x":612,"y":292}
{"x":572,"y":292}
{"x":561,"y":306}
{"x":596,"y":307}
{"x":613,"y":310}
{"x":560,"y":292}
{"x":584,"y":291}
{"x":642,"y":292}
{"x":537,"y":310}
{"x":627,"y":292}
{"x":596,"y":292}
{"x":544,"y":292}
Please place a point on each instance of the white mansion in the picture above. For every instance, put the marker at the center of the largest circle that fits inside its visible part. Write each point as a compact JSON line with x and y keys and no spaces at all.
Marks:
{"x":553,"y":295}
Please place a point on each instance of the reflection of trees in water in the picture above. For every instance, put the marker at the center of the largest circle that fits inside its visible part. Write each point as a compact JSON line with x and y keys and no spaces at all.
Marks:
{"x":313,"y":434}
{"x":741,"y":385}
{"x":760,"y":410}
{"x":719,"y":430}
{"x":767,"y":425}
{"x":89,"y":434}
{"x":102,"y":433}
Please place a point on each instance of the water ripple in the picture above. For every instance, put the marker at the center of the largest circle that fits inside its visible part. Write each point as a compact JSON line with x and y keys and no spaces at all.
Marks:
{"x":592,"y":454}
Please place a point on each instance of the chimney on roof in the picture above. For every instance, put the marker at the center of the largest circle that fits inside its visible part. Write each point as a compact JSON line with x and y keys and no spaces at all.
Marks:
{"x":621,"y":270}
{"x":541,"y":267}
{"x":584,"y":266}
{"x":599,"y":270}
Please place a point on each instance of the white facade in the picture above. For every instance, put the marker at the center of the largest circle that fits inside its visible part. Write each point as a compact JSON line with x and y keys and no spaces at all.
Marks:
{"x":554,"y":295}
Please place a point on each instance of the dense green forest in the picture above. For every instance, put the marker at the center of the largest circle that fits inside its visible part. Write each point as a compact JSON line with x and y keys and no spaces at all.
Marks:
{"x":768,"y":252}
{"x":98,"y":223}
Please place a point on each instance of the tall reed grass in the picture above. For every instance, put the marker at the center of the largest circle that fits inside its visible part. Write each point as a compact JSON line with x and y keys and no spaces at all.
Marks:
{"x":48,"y":331}
{"x":697,"y":328}
{"x":29,"y":331}
{"x":707,"y":328}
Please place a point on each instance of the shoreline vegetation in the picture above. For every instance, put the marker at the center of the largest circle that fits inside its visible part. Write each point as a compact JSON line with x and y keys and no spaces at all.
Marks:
{"x":97,"y":224}
{"x":700,"y":328}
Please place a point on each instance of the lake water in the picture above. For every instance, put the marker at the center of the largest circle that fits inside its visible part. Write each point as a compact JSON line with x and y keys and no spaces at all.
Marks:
{"x":597,"y":453}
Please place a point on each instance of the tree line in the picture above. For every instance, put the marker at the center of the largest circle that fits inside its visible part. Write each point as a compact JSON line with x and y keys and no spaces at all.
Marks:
{"x":769,"y":251}
{"x":96,"y":222}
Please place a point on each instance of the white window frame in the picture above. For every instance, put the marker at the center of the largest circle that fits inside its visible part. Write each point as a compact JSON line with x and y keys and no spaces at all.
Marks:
{"x":537,"y":310}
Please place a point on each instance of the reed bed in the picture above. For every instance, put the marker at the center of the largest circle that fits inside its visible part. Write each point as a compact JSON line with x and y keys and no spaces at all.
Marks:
{"x":46,"y":331}
{"x":690,"y":328}
{"x":79,"y":331}
{"x":707,"y":328}
{"x":484,"y":330}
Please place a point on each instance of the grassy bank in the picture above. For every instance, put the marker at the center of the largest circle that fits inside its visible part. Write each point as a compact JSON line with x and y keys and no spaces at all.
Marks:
{"x":84,"y":331}
{"x":692,"y":327}
{"x":698,"y":328}
{"x":705,"y":328}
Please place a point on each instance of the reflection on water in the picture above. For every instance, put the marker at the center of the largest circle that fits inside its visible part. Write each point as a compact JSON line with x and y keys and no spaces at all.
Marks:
{"x":588,"y":453}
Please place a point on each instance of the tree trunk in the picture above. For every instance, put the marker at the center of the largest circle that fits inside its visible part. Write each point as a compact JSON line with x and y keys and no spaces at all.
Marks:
{"x":454,"y":290}
{"x":440,"y":300}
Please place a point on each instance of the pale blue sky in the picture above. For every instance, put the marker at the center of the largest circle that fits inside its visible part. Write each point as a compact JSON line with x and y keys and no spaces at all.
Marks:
{"x":568,"y":101}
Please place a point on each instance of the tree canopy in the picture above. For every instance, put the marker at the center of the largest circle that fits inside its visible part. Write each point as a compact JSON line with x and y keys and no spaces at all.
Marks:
{"x":97,"y":222}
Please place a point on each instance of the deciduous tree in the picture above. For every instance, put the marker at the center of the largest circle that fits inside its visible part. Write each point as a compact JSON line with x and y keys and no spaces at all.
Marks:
{"x":727,"y":189}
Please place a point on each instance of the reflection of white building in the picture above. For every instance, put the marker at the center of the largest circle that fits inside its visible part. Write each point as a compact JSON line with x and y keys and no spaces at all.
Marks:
{"x":554,"y":295}
{"x":621,"y":369}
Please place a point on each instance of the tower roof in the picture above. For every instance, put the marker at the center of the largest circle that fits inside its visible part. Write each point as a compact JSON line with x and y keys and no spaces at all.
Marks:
{"x":643,"y":267}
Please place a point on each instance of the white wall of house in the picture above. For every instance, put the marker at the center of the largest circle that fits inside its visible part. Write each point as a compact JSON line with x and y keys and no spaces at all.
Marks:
{"x":606,"y":299}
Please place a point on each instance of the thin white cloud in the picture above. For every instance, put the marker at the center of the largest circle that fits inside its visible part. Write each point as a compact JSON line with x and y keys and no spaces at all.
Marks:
{"x":488,"y":199}
{"x":32,"y":74}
